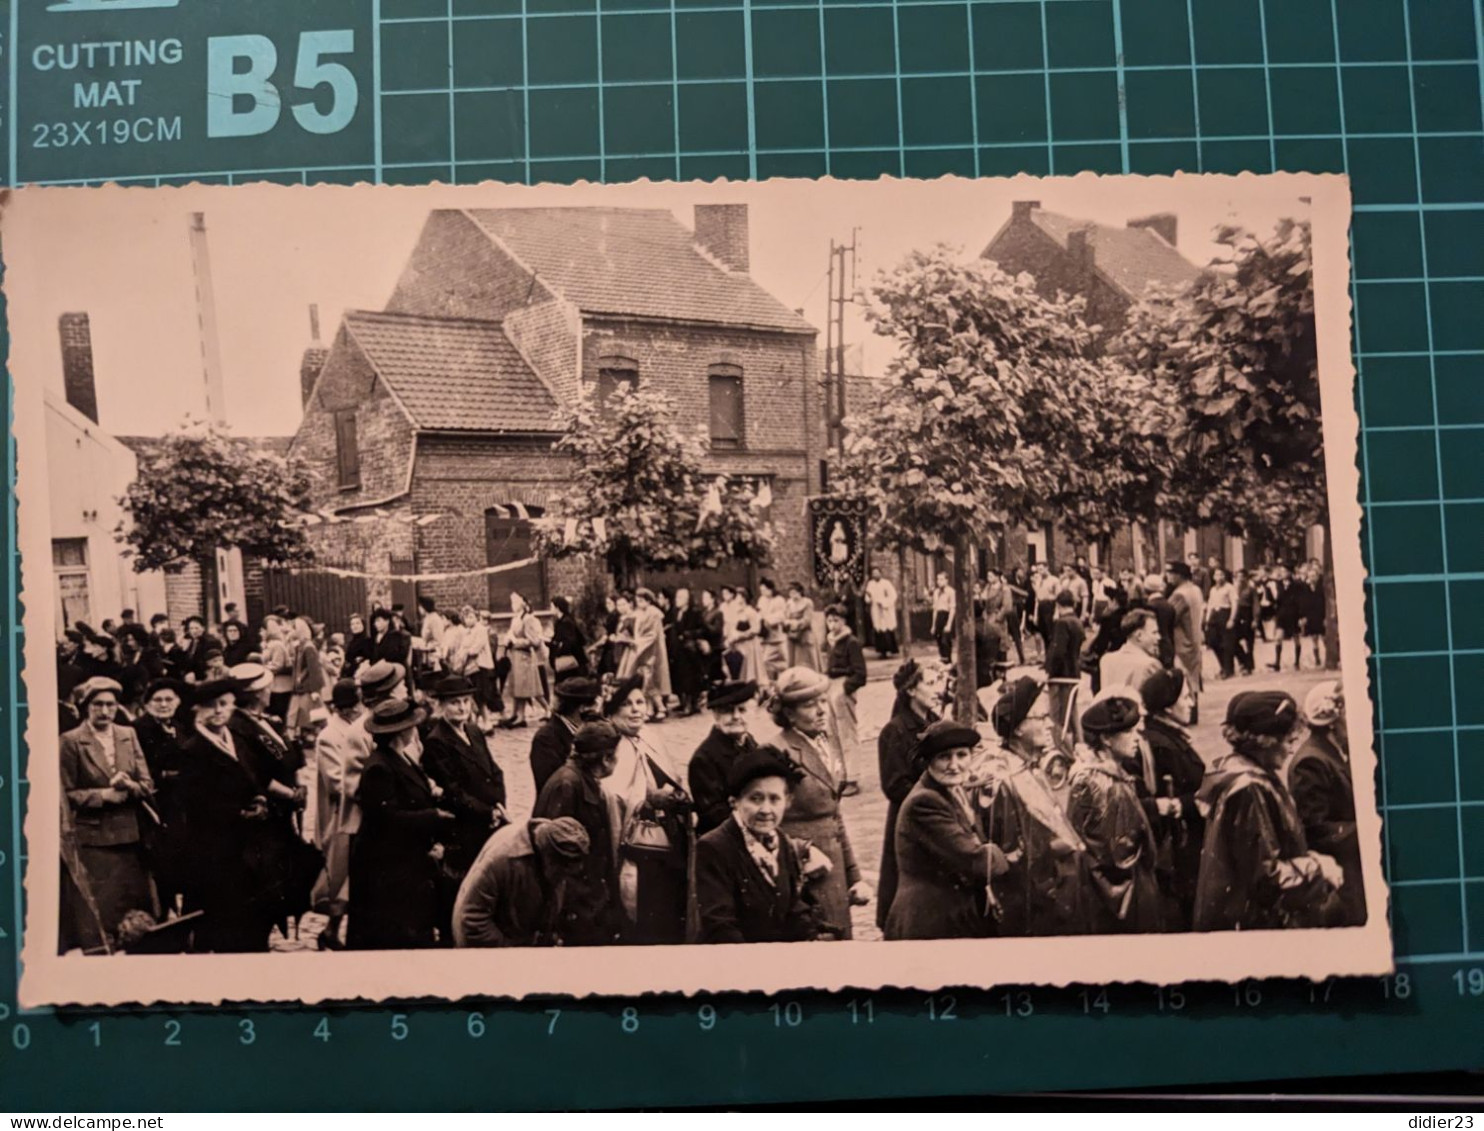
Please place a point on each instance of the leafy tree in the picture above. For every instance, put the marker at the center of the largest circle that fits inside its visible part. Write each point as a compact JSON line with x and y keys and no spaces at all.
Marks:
{"x":995,"y":411}
{"x":638,"y":495}
{"x":200,"y":490}
{"x":1235,"y":359}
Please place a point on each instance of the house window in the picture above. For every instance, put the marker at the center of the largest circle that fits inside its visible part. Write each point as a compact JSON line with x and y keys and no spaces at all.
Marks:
{"x":70,"y":569}
{"x":727,"y":429}
{"x":347,"y":450}
{"x":508,"y":539}
{"x":615,"y":373}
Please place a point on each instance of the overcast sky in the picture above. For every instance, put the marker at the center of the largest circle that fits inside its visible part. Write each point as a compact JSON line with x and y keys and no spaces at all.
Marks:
{"x":124,"y":257}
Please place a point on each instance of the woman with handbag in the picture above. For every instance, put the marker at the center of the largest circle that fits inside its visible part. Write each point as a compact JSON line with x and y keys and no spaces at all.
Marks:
{"x":657,"y":834}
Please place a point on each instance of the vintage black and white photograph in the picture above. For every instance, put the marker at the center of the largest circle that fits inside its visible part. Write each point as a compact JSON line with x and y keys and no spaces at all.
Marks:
{"x":903,"y":583}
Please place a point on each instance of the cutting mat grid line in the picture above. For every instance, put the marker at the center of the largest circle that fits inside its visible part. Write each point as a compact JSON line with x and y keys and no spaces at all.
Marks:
{"x":1389,"y":91}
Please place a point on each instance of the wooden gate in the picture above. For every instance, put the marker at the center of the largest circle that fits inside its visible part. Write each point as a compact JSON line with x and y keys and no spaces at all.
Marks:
{"x":325,"y":598}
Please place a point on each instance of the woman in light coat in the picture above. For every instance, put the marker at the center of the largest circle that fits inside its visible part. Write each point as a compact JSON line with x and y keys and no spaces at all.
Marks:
{"x":526,"y":648}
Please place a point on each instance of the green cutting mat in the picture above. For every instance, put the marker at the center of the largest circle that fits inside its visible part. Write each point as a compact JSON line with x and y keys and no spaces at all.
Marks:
{"x":558,"y":90}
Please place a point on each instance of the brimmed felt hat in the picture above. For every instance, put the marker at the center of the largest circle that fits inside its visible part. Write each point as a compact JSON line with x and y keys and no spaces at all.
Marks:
{"x":212,"y":689}
{"x":1161,"y":689}
{"x":155,"y":686}
{"x":451,"y":687}
{"x":1012,"y":707}
{"x":90,"y":689}
{"x":380,"y":678}
{"x":1324,"y":703}
{"x":799,"y":685}
{"x":730,"y":693}
{"x":942,"y":736}
{"x":344,"y":694}
{"x":1113,"y":712}
{"x":619,"y":693}
{"x":579,"y":689}
{"x":1271,"y":713}
{"x":762,"y":762}
{"x":394,"y":716}
{"x":251,"y":677}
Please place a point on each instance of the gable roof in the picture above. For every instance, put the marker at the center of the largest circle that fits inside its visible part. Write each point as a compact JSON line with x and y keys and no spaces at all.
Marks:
{"x":634,"y":261}
{"x":453,"y":375}
{"x":265,"y":445}
{"x":1133,"y":259}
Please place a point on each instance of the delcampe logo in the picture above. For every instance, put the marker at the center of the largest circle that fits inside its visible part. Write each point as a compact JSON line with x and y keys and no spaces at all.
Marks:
{"x":108,"y":5}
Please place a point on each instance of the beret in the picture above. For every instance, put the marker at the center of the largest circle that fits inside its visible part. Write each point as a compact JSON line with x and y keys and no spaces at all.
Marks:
{"x":90,"y":689}
{"x":1112,"y":713}
{"x":1161,"y":689}
{"x":1011,"y":709}
{"x":764,"y":762}
{"x":596,"y":737}
{"x":163,"y":684}
{"x":1272,"y":713}
{"x":579,"y":689}
{"x":344,"y":694}
{"x":730,"y":693}
{"x":944,"y":735}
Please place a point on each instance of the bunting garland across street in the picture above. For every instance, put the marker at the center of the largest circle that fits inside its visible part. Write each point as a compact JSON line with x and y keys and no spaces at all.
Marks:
{"x":447,"y":576}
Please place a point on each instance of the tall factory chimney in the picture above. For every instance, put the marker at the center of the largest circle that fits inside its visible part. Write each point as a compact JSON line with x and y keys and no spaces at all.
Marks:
{"x":211,"y":353}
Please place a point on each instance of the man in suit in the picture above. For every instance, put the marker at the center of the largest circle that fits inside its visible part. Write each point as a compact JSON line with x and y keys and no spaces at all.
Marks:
{"x":1138,"y":658}
{"x":457,"y":757}
{"x":553,"y":739}
{"x":750,"y":877}
{"x":108,"y":786}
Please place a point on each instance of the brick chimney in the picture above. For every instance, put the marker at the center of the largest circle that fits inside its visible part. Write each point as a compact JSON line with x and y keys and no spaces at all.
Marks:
{"x":77,"y":364}
{"x":1166,"y":225}
{"x":1022,"y":209}
{"x":1079,"y":246}
{"x":314,"y":357}
{"x":722,"y":230}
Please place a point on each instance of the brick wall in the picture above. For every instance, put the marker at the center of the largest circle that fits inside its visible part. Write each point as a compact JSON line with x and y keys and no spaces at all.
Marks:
{"x":184,"y":593}
{"x":384,"y":434}
{"x":457,"y":271}
{"x":371,"y":546}
{"x":547,"y":334}
{"x":1023,"y":247}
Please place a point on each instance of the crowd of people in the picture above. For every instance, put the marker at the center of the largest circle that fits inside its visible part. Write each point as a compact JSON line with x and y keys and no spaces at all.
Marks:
{"x":219,"y":785}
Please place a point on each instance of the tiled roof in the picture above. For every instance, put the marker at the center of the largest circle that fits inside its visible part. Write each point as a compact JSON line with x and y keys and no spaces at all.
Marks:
{"x":637,"y":261}
{"x":267,"y":445}
{"x":463,"y":376}
{"x":1132,"y":258}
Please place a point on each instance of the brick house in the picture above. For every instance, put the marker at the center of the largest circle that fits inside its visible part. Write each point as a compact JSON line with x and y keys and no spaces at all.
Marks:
{"x":429,"y":424}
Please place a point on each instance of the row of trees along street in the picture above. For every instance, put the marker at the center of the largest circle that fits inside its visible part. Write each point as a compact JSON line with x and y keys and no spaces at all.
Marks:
{"x":1000,"y":409}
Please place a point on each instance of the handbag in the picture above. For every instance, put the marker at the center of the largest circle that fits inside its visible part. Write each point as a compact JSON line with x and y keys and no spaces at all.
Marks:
{"x":645,"y":836}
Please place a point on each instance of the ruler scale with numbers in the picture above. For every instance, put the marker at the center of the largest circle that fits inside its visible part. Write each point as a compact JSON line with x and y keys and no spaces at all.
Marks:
{"x":414,"y":91}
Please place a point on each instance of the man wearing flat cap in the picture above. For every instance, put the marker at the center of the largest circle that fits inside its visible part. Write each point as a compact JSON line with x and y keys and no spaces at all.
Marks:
{"x":552,"y":741}
{"x":719,"y":751}
{"x":513,"y":893}
{"x":1257,"y":869}
{"x":1044,"y":892}
{"x":750,"y":878}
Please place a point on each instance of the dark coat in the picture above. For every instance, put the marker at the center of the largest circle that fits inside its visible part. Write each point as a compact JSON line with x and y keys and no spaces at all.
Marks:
{"x":689,"y":669}
{"x":896,"y":753}
{"x":358,"y":651}
{"x":710,"y":766}
{"x":590,"y":910}
{"x":1064,"y":650}
{"x":944,"y":866}
{"x":394,"y":646}
{"x":848,"y":661}
{"x":169,"y":848}
{"x":550,"y":746}
{"x":193,"y":653}
{"x":1293,"y":605}
{"x":736,"y":902}
{"x":1319,"y":779}
{"x":1165,"y":617}
{"x":505,"y":900}
{"x":268,"y":758}
{"x":473,"y":787}
{"x":393,"y":877}
{"x":1178,"y":772}
{"x":568,"y":639}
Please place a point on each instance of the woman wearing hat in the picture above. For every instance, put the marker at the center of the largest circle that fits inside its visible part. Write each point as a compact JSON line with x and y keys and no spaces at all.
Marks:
{"x":751,"y":878}
{"x":567,"y":640}
{"x":237,"y":646}
{"x":947,"y":867}
{"x":458,"y":759}
{"x":1104,"y":807}
{"x":394,"y":859}
{"x":1168,"y":783}
{"x":109,"y":790}
{"x":160,"y":731}
{"x":1257,"y":869}
{"x":799,"y":706}
{"x":919,"y":701}
{"x":708,"y":774}
{"x":1318,"y":776}
{"x":656,"y":832}
{"x":261,"y":745}
{"x":590,"y":909}
{"x":515,"y":893}
{"x":239,"y":858}
{"x":340,"y":753}
{"x":1044,"y":891}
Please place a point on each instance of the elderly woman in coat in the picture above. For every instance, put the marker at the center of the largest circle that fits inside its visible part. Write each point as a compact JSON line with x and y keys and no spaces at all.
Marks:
{"x":109,"y":789}
{"x":919,"y":701}
{"x":799,"y":706}
{"x":752,"y":881}
{"x":947,"y":866}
